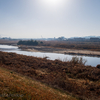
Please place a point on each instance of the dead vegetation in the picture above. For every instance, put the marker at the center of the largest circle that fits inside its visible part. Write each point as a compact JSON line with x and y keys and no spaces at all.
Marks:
{"x":72,"y":76}
{"x":8,"y":42}
{"x":17,"y":87}
{"x":85,"y":48}
{"x":78,"y":45}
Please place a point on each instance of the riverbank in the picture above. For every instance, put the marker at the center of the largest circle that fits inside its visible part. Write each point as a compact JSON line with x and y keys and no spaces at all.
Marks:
{"x":60,"y":50}
{"x":14,"y":86}
{"x":71,"y":77}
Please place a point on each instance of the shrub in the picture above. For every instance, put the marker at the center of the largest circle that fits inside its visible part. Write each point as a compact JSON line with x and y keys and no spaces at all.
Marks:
{"x":98,"y":66}
{"x":77,"y":60}
{"x":29,"y":42}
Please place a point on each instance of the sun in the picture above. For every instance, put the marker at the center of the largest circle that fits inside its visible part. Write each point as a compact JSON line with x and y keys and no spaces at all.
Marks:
{"x":52,"y":3}
{"x":53,"y":6}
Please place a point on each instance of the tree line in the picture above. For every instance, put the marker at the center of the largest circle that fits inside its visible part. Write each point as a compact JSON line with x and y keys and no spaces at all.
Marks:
{"x":29,"y":42}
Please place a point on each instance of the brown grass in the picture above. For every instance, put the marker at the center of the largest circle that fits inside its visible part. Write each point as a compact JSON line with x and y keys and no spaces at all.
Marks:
{"x":79,"y":45}
{"x":18,"y":87}
{"x":71,"y":77}
{"x":8,"y":42}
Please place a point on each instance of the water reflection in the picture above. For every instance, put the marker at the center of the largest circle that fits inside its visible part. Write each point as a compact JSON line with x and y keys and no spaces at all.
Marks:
{"x":93,"y":61}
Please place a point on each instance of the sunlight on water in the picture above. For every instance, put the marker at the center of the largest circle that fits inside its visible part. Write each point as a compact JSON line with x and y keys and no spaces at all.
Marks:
{"x":93,"y":61}
{"x":8,"y":47}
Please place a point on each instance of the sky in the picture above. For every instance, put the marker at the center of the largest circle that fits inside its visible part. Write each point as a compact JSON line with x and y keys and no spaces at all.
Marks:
{"x":49,"y":18}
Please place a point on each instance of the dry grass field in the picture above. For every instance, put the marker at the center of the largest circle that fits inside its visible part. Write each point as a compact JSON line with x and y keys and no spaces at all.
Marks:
{"x":8,"y":42}
{"x":71,"y":77}
{"x":78,"y":45}
{"x":14,"y":86}
{"x":86,"y":48}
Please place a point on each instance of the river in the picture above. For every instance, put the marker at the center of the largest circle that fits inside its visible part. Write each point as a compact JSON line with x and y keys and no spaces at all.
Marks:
{"x":93,"y":61}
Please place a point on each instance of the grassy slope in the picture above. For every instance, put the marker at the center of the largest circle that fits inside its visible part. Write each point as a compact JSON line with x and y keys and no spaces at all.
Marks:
{"x":79,"y":80}
{"x":17,"y":87}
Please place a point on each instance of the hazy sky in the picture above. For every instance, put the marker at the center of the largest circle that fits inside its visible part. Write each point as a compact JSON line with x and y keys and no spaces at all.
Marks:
{"x":49,"y":18}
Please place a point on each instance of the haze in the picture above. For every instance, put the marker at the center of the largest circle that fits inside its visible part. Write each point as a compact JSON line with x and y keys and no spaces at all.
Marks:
{"x":49,"y":18}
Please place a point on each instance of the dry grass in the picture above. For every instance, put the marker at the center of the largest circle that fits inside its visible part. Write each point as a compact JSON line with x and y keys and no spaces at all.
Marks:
{"x":79,"y":45}
{"x":17,"y":87}
{"x":8,"y":42}
{"x":71,"y":77}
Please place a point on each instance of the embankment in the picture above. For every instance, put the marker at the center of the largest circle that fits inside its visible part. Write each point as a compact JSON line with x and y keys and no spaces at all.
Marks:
{"x":72,"y":77}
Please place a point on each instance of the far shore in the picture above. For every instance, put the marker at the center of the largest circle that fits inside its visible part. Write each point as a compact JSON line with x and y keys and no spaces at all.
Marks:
{"x":60,"y":50}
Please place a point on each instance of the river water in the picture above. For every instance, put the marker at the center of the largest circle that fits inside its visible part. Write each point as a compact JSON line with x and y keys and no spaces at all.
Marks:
{"x":93,"y":61}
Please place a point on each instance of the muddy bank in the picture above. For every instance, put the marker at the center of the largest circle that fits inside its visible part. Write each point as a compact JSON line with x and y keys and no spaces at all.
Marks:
{"x":60,"y":50}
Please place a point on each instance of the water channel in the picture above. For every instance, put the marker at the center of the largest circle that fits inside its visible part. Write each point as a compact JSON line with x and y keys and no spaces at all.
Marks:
{"x":93,"y":61}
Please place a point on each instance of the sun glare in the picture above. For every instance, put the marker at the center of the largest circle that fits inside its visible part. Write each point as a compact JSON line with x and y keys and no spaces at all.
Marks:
{"x":52,"y":3}
{"x":54,"y":6}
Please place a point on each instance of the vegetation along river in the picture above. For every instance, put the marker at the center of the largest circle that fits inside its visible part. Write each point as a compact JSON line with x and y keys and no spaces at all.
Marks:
{"x":93,"y":61}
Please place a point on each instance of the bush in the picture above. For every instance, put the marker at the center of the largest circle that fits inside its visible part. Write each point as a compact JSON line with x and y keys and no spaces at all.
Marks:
{"x":98,"y":66}
{"x":77,"y":60}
